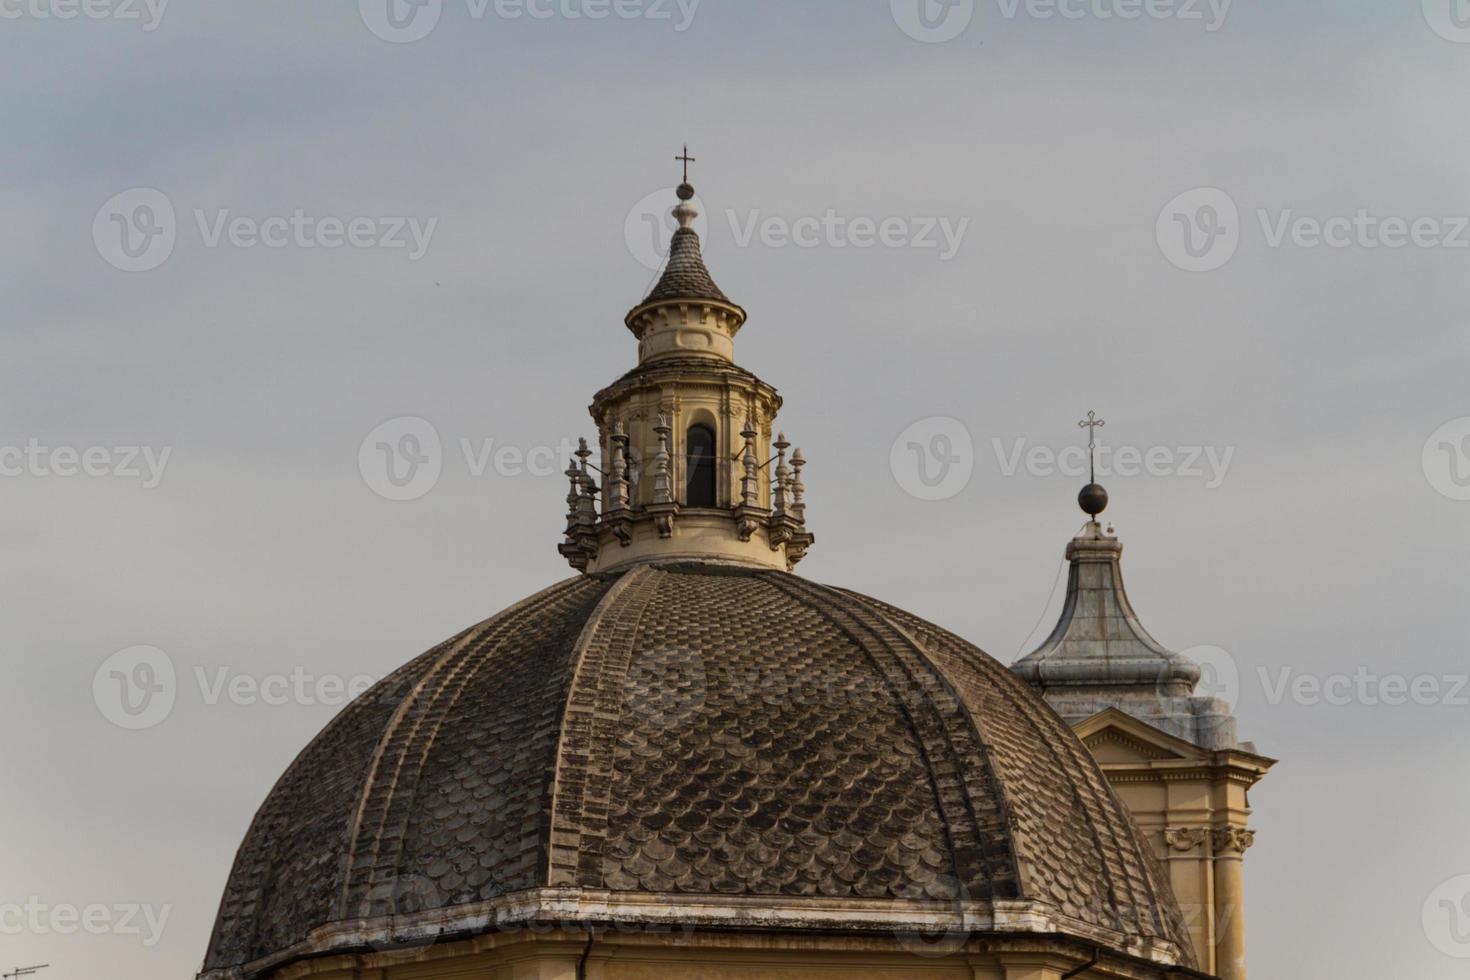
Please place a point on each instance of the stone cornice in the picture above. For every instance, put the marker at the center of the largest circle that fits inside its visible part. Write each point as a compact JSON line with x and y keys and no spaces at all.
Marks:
{"x":578,"y":908}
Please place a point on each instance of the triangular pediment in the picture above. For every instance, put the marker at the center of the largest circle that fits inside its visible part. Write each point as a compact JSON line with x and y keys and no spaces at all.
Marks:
{"x":1115,"y":737}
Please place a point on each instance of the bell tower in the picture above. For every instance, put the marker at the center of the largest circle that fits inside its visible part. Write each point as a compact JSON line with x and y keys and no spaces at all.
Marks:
{"x":690,"y":463}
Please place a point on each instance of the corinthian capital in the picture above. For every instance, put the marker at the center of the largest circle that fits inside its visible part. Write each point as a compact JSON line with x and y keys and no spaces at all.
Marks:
{"x":1233,"y":840}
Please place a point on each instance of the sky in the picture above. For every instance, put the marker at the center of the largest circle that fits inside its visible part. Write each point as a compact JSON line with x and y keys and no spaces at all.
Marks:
{"x":243,"y":244}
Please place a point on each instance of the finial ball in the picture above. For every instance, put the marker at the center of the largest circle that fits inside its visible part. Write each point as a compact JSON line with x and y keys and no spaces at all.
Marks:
{"x":1093,"y":499}
{"x":685,"y":191}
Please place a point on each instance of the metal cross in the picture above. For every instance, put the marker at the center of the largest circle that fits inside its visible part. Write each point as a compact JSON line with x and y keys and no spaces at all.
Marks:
{"x":1092,"y":423}
{"x":687,"y":161}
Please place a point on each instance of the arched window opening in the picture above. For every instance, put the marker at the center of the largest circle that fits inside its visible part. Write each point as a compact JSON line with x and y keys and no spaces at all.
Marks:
{"x":699,"y":490}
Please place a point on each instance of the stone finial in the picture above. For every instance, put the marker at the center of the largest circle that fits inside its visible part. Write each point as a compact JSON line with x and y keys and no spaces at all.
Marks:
{"x":798,"y":489}
{"x":780,"y":486}
{"x":663,"y":484}
{"x":580,"y":546}
{"x":587,"y":506}
{"x":618,"y":514}
{"x":750,"y":492}
{"x":617,"y":486}
{"x":574,"y":495}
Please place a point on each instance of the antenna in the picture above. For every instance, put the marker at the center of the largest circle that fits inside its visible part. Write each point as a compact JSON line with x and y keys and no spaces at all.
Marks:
{"x":25,"y":971}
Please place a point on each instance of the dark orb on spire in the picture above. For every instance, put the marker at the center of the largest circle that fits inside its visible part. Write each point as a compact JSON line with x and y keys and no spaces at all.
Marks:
{"x":685,"y":191}
{"x":1093,"y":499}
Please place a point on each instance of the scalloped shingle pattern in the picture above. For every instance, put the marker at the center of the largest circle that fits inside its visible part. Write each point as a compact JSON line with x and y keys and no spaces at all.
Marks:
{"x":690,"y":729}
{"x":685,"y":275}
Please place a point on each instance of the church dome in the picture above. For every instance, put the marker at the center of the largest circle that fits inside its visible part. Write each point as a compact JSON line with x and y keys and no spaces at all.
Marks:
{"x":705,"y":743}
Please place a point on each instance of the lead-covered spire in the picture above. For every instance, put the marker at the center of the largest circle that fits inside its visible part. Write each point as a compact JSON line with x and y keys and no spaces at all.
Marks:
{"x":685,"y":313}
{"x":1100,"y":656}
{"x":685,"y":276}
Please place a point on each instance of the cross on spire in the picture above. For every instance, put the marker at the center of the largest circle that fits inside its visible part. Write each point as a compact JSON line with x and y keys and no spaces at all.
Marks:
{"x":1092,"y":423}
{"x":687,"y":160}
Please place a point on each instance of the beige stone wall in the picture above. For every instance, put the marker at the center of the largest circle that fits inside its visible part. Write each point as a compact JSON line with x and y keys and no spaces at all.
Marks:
{"x":733,"y":956}
{"x":1193,"y":806}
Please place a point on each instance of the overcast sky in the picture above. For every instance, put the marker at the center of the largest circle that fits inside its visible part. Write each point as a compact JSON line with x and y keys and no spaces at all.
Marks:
{"x":963,"y":231}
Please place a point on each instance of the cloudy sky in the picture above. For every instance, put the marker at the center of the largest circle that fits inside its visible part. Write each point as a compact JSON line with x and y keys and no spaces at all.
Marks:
{"x":239,"y":238}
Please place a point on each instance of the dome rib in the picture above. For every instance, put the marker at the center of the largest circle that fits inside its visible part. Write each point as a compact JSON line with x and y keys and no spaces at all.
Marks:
{"x":580,"y":788}
{"x":386,"y":805}
{"x":950,"y":739}
{"x":1135,"y":894}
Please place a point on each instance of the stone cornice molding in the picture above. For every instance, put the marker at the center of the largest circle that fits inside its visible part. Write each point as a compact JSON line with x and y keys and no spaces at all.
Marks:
{"x":577,"y":908}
